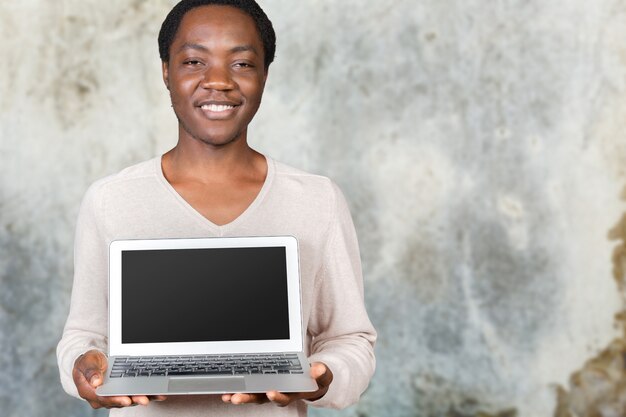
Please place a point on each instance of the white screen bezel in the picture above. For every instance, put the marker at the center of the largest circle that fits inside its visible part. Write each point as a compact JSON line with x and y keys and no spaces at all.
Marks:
{"x":117,"y":348}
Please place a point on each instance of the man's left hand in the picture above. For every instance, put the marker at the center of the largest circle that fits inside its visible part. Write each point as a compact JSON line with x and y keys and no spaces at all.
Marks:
{"x":320,"y":372}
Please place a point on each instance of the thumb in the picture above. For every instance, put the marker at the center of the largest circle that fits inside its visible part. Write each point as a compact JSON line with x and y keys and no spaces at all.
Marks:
{"x":92,"y":367}
{"x":322,"y":375}
{"x":94,"y":376}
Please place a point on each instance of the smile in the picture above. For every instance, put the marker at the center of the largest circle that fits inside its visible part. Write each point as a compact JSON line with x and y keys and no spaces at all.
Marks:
{"x":217,"y":107}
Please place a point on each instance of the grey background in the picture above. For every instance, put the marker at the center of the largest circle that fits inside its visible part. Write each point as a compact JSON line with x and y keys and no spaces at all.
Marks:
{"x":481,"y":145}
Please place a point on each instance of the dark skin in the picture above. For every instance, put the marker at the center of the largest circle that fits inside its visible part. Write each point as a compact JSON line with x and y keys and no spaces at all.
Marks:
{"x":88,"y":374}
{"x":215,"y":76}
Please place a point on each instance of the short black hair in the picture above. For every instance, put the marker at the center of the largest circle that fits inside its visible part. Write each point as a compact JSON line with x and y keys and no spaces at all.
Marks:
{"x":170,"y":25}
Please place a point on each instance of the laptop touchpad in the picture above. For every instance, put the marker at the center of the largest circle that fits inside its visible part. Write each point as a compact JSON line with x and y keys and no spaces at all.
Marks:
{"x":218,"y":384}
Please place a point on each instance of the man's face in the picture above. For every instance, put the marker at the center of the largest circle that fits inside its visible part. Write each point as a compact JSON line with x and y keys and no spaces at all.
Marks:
{"x":215,"y":74}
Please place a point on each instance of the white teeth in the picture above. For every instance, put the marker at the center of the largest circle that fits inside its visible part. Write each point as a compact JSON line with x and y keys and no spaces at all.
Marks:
{"x":217,"y":107}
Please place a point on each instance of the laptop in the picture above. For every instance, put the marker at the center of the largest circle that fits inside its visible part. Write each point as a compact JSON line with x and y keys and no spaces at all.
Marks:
{"x":205,"y":316}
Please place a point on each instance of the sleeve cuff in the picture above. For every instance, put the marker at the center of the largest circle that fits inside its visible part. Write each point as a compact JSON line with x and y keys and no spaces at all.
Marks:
{"x":333,"y":397}
{"x":67,"y":380}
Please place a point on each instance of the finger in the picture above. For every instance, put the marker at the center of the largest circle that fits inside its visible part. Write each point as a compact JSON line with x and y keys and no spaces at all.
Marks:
{"x":94,"y":377}
{"x":108,"y":402}
{"x":281,"y":399}
{"x":92,"y":365}
{"x":157,"y":398}
{"x":140,"y":399}
{"x":248,"y":398}
{"x":95,"y":405}
{"x":88,"y":392}
{"x":322,"y":375}
{"x":114,"y":402}
{"x":85,"y":389}
{"x":226,"y":397}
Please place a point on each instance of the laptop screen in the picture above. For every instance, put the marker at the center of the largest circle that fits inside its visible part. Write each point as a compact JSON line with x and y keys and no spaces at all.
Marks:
{"x":204,"y":295}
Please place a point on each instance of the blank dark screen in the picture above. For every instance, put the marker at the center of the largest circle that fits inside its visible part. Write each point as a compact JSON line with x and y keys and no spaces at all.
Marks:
{"x":195,"y":295}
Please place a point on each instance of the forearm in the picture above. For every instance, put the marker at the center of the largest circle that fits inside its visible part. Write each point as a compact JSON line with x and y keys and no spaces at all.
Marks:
{"x":86,"y":326}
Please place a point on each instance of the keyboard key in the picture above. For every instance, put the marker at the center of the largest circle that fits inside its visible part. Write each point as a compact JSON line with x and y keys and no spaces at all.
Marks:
{"x":287,"y":368}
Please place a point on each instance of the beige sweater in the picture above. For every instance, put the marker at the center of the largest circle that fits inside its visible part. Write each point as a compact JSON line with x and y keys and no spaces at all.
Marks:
{"x":138,"y":203}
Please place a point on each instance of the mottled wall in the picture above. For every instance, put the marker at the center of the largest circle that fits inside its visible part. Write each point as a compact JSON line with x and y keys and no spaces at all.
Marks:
{"x":481,"y":145}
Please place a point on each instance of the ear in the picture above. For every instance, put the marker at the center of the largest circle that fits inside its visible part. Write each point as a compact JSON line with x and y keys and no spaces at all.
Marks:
{"x":166,"y":74}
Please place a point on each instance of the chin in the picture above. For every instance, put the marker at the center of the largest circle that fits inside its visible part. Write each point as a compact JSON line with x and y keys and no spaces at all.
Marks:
{"x":212,"y":135}
{"x":216,"y":140}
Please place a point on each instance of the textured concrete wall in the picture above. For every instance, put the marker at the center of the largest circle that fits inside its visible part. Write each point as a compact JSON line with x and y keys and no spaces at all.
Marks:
{"x":481,"y":145}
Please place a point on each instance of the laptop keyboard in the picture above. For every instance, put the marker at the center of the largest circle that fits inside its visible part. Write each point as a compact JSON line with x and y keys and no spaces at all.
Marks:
{"x":275,"y":363}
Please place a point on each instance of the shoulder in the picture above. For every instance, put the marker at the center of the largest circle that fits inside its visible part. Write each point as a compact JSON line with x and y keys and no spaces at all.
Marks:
{"x":308,"y":184}
{"x":310,"y":198}
{"x":124,"y":187}
{"x":130,"y":177}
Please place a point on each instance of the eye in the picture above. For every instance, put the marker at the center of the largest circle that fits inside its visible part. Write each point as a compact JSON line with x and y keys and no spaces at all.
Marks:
{"x":243,"y":65}
{"x":191,"y":62}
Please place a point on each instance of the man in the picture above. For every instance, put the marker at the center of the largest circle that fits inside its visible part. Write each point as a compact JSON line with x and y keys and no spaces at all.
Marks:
{"x":215,"y":60}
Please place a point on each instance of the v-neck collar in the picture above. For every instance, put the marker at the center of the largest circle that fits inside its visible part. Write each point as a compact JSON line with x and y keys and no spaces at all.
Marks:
{"x":220,"y":229}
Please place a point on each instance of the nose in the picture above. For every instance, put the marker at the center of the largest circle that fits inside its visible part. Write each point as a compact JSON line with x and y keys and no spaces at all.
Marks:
{"x":217,"y":78}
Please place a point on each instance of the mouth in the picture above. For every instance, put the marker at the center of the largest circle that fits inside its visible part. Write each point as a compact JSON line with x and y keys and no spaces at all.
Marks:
{"x":215,"y":110}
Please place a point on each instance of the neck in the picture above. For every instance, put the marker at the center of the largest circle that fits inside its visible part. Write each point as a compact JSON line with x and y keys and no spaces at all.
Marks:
{"x":194,"y":159}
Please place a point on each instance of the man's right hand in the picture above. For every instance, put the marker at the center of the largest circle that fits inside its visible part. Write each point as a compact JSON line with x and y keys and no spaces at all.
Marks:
{"x":88,"y":374}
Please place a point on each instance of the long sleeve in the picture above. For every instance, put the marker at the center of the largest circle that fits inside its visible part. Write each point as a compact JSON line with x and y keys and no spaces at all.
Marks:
{"x":86,"y":326}
{"x":343,"y":336}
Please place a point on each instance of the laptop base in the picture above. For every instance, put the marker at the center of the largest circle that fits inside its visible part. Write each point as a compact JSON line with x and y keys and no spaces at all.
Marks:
{"x":206,"y":385}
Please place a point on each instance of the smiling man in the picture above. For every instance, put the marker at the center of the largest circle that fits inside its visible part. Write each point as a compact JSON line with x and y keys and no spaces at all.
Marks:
{"x":215,"y":60}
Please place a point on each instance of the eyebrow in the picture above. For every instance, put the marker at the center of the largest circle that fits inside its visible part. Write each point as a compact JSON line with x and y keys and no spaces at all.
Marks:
{"x":244,"y":48}
{"x":198,"y":47}
{"x":195,"y":46}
